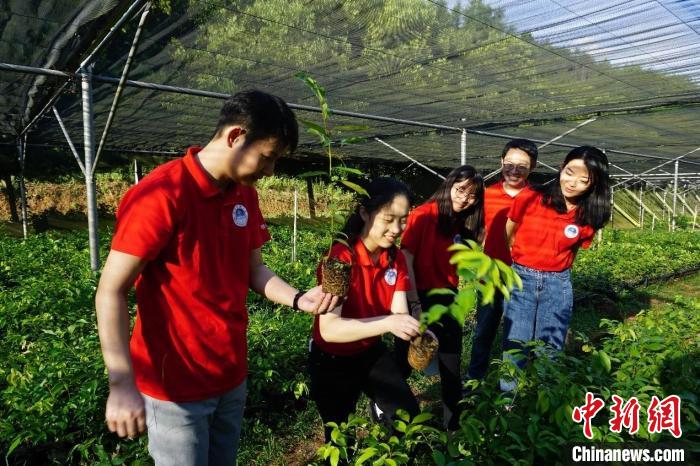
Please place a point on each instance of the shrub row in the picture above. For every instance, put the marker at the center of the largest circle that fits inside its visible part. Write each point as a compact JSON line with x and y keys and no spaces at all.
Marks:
{"x":53,"y":386}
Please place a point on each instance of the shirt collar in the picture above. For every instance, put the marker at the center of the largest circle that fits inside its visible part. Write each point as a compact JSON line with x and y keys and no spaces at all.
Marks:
{"x":203,"y":180}
{"x":502,"y":187}
{"x":363,"y":257}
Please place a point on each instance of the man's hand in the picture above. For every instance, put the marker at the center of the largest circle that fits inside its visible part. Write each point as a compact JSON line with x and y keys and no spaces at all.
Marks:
{"x":125,"y":413}
{"x":315,"y":301}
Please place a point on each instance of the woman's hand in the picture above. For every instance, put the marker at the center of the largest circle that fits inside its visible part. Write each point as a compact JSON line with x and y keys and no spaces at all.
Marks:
{"x":403,"y":326}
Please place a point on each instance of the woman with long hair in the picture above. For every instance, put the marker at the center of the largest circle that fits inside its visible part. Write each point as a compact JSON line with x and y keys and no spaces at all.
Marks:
{"x":347,"y":355}
{"x":453,"y":214}
{"x":546,"y":227}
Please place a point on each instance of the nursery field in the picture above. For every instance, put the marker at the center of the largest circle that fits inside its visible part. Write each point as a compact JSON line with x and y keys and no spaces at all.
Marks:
{"x":632,"y":335}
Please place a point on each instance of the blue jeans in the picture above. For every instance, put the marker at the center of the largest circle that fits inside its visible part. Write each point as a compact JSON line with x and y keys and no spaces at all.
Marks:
{"x":488,"y":318}
{"x":199,"y":433}
{"x":540,"y":312}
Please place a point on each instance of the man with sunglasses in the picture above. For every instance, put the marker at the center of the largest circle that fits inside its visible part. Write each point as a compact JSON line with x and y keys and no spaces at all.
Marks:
{"x":518,"y":159}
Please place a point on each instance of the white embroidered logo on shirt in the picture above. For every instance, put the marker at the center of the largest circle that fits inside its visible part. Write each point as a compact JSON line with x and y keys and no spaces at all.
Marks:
{"x":240,"y":215}
{"x":571,"y":231}
{"x":390,"y":276}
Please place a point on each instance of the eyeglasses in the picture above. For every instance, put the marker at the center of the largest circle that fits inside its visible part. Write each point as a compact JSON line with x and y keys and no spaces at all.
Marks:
{"x":465,"y":193}
{"x":509,"y":167}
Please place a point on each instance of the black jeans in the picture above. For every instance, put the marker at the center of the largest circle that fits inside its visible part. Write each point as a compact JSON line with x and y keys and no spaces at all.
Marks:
{"x":338,"y":381}
{"x":449,"y":334}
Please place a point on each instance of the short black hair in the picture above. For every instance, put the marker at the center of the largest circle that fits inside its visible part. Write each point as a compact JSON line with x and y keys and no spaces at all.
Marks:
{"x":524,"y":145}
{"x":263,"y":116}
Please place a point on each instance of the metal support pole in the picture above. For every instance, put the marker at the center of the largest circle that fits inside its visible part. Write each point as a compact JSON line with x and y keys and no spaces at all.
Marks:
{"x":113,"y":30}
{"x":69,"y":140}
{"x":675,"y":160}
{"x":137,"y":172}
{"x":294,"y":235}
{"x":683,"y":204}
{"x":120,"y":86}
{"x":612,"y":207}
{"x":675,"y":194}
{"x":21,"y":144}
{"x":463,"y":146}
{"x":410,"y":158}
{"x":89,"y":146}
{"x":641,"y":206}
{"x":653,"y":223}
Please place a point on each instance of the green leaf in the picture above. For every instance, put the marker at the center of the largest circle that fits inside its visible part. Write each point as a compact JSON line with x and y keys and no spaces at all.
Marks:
{"x":355,"y":187}
{"x":441,"y":292}
{"x":367,"y":453}
{"x":15,"y":444}
{"x":466,"y":255}
{"x":335,"y":456}
{"x":315,"y":126}
{"x":323,"y":138}
{"x":434,"y":314}
{"x":605,"y":361}
{"x":439,"y":458}
{"x":352,"y":140}
{"x":458,"y":247}
{"x":354,"y":171}
{"x":421,"y":418}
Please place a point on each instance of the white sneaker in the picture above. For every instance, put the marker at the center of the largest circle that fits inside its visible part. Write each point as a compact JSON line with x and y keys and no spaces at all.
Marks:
{"x":376,"y":413}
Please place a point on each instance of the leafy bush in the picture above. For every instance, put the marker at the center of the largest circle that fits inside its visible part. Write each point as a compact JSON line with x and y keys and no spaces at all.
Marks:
{"x":628,"y":258}
{"x":53,"y":387}
{"x":654,"y":354}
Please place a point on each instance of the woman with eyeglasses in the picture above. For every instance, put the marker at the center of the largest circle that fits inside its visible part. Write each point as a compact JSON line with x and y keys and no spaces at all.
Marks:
{"x":453,"y":214}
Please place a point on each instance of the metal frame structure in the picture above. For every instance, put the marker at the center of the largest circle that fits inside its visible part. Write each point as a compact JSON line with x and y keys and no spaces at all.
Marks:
{"x":92,"y":151}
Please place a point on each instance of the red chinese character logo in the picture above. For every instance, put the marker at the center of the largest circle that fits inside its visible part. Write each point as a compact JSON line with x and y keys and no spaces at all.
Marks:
{"x":587,"y":412}
{"x":665,"y":415}
{"x":625,"y":415}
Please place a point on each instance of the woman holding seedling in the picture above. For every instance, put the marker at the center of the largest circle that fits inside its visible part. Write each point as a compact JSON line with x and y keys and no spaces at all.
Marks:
{"x":453,"y":214}
{"x":546,"y":227}
{"x":347,"y":356}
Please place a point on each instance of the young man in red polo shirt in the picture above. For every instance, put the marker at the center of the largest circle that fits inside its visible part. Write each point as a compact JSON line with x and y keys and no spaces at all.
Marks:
{"x":189,"y":236}
{"x":518,"y":159}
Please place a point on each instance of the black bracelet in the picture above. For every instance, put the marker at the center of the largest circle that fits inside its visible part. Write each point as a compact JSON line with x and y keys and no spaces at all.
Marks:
{"x":295,"y":303}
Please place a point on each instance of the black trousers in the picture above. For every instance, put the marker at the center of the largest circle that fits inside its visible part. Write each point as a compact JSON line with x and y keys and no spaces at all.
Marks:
{"x":338,"y":381}
{"x":449,"y":334}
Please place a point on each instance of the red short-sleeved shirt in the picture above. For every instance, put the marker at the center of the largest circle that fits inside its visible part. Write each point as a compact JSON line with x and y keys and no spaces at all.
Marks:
{"x":546,"y":240}
{"x":497,"y":204}
{"x":371,"y":291}
{"x":189,"y":340}
{"x":431,"y":259}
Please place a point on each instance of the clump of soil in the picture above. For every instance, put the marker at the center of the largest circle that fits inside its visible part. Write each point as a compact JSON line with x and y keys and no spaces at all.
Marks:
{"x":335,"y":276}
{"x":421,"y":351}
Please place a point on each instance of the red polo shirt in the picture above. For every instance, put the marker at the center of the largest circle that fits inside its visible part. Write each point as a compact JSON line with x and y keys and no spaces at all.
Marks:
{"x":431,"y":259}
{"x":546,"y":240}
{"x":371,"y":291}
{"x":189,"y":340}
{"x":497,"y":204}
